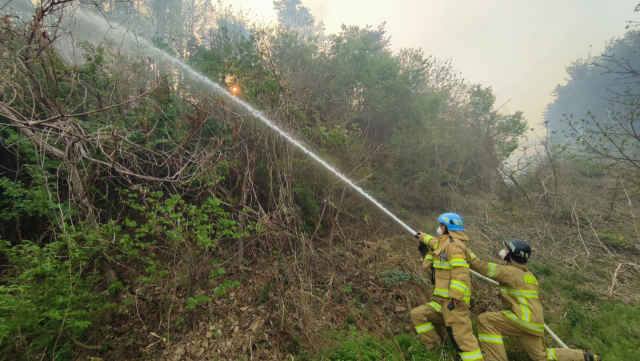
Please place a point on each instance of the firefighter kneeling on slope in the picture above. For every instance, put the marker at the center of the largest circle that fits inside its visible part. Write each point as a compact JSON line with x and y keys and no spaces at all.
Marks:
{"x":522,"y":316}
{"x":449,"y":258}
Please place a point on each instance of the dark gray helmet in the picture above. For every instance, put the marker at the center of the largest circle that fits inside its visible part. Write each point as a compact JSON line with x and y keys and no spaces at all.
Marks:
{"x":519,"y":250}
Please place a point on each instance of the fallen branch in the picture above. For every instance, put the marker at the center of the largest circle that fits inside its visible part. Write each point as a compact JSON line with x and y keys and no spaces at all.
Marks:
{"x":615,"y":275}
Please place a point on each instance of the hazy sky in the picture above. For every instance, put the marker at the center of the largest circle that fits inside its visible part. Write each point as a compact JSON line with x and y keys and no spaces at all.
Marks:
{"x":519,"y":47}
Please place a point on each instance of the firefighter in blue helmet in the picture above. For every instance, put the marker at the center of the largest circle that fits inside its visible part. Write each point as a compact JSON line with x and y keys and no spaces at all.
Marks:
{"x":447,"y":261}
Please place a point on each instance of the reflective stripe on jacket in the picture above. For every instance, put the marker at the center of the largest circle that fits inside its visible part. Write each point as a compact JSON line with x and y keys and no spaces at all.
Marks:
{"x":427,"y":263}
{"x":450,"y":259}
{"x":518,"y":293}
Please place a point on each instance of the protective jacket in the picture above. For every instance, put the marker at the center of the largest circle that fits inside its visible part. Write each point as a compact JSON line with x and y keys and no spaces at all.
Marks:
{"x":518,"y":293}
{"x":450,"y":262}
{"x":521,"y":318}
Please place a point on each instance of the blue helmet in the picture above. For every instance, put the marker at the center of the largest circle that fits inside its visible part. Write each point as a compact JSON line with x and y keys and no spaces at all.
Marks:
{"x":453,"y":221}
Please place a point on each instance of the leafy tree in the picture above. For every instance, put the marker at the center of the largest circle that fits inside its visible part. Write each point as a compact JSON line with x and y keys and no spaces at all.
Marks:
{"x":368,"y":78}
{"x":297,"y":17}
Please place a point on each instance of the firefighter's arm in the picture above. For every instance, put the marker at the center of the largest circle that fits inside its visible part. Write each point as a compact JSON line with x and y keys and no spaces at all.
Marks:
{"x":430,"y":241}
{"x":491,"y":270}
{"x":427,"y":263}
{"x":460,"y":287}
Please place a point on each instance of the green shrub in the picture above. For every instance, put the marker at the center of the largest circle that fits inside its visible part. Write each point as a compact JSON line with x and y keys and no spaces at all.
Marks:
{"x":53,"y":292}
{"x":395,"y":277}
{"x":47,"y":295}
{"x":193,"y":301}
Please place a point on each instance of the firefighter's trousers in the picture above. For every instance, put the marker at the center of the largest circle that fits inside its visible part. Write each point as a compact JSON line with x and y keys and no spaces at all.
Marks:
{"x":493,"y":325}
{"x":434,"y":320}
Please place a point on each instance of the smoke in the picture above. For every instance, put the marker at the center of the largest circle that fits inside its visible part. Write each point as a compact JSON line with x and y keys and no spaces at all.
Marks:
{"x":598,"y":85}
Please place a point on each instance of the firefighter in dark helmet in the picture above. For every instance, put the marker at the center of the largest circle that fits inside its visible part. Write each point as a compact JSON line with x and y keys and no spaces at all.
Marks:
{"x":522,"y":316}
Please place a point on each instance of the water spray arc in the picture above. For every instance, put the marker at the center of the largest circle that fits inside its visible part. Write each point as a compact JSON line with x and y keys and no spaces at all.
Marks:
{"x":256,"y":113}
{"x":299,"y":145}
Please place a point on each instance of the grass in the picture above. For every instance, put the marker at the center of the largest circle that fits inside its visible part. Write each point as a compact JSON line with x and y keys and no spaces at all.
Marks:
{"x":586,"y":320}
{"x":611,"y":332}
{"x":350,"y":344}
{"x":583,"y":319}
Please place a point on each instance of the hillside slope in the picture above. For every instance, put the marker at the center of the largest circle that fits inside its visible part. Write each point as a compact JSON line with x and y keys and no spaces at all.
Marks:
{"x":347,"y":295}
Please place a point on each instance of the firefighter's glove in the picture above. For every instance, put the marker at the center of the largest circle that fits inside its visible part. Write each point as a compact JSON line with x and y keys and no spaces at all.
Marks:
{"x":424,"y":238}
{"x":423,"y":249}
